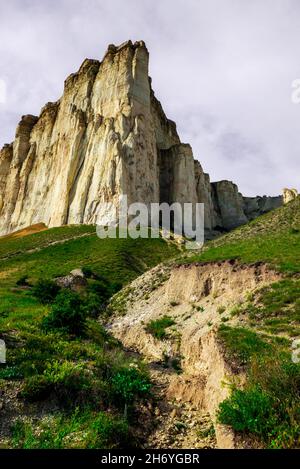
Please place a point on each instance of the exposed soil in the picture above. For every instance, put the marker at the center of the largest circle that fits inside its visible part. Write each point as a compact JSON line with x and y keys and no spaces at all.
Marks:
{"x":188,"y":367}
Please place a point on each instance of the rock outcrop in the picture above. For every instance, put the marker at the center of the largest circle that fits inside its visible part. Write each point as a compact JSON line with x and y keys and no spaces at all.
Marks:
{"x":289,"y":195}
{"x":228,"y":203}
{"x":256,"y":206}
{"x":108,"y":135}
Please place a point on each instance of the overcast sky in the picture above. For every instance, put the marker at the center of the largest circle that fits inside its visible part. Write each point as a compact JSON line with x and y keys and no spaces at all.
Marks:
{"x":223,"y":70}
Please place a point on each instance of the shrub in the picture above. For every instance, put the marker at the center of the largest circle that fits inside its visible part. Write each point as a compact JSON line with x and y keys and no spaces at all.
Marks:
{"x":93,"y":305}
{"x":128,"y":384}
{"x":22,"y":282}
{"x":269,"y":405}
{"x":158,"y":327}
{"x":103,"y":289}
{"x":87,"y":272}
{"x":10,"y":373}
{"x":248,"y":410}
{"x":66,"y":379}
{"x":45,"y":291}
{"x":69,"y":379}
{"x":98,"y":294}
{"x":36,"y":388}
{"x":67,"y":314}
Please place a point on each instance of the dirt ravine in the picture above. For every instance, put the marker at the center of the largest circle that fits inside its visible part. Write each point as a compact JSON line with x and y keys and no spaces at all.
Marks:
{"x":197,"y":297}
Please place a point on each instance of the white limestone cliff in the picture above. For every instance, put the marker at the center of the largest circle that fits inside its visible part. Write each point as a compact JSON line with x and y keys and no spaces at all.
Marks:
{"x":107,"y":135}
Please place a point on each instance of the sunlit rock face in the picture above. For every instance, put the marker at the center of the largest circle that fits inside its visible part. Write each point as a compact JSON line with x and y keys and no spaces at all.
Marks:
{"x":107,"y":136}
{"x":289,"y":195}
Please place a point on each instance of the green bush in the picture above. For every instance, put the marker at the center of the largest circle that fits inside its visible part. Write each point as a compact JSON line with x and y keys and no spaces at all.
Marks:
{"x":269,"y":406}
{"x":10,"y":373}
{"x":129,"y":383}
{"x":98,"y":295}
{"x":87,"y":272}
{"x":22,"y":282}
{"x":45,"y":291}
{"x":104,"y":289}
{"x":249,"y":410}
{"x":36,"y":388}
{"x":67,"y":314}
{"x":93,"y":305}
{"x":66,"y":379}
{"x":158,"y":327}
{"x":66,"y":373}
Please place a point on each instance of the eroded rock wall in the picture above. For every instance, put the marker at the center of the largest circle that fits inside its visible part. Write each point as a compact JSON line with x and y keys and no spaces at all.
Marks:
{"x":108,"y":135}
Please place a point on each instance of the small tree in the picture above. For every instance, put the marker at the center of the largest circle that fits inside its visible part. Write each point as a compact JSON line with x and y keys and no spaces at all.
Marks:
{"x":46,"y":291}
{"x":67,"y":314}
{"x":128,"y":384}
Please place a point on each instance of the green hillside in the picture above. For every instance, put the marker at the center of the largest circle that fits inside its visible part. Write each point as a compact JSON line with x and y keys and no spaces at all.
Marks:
{"x":67,"y":383}
{"x":273,"y":238}
{"x":266,"y":410}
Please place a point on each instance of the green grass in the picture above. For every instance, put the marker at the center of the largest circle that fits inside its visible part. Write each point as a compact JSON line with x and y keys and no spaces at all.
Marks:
{"x":95,"y":383}
{"x":241,"y":343}
{"x":119,"y":260}
{"x":83,"y":370}
{"x":79,"y":430}
{"x":158,"y":327}
{"x":82,"y":376}
{"x":273,"y":238}
{"x":276,"y":308}
{"x":268,"y":405}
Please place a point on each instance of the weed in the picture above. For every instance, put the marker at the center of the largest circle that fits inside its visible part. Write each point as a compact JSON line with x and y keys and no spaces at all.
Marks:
{"x":158,"y":327}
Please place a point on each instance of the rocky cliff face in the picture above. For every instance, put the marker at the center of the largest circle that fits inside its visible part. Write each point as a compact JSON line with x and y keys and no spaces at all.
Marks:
{"x":106,"y":136}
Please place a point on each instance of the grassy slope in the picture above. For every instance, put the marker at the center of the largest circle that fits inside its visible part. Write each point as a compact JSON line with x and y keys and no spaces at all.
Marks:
{"x":273,"y":238}
{"x":56,"y":251}
{"x":273,"y":315}
{"x":32,"y":353}
{"x":268,"y":408}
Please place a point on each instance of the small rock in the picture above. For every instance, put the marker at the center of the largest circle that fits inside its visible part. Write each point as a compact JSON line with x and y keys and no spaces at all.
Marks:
{"x":77,"y":273}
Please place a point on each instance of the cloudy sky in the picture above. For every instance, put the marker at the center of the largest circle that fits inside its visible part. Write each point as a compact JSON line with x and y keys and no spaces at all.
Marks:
{"x":223,"y":70}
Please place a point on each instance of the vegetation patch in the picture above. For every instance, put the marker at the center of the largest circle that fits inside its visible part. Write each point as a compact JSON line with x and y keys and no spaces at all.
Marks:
{"x":268,"y":407}
{"x":58,"y":354}
{"x":241,"y":344}
{"x":158,"y":327}
{"x":273,"y":238}
{"x":277,"y":307}
{"x":80,"y":430}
